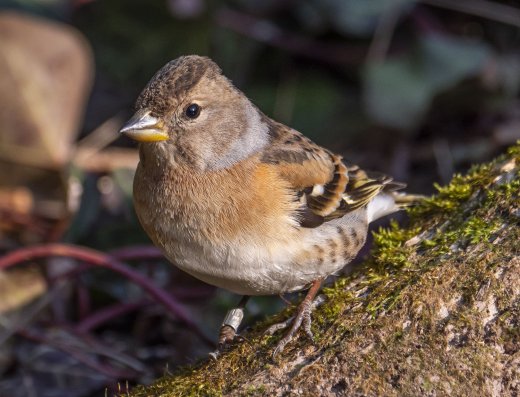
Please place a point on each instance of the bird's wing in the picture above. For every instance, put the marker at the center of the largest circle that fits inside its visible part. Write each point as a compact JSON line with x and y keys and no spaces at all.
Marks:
{"x":327,"y":187}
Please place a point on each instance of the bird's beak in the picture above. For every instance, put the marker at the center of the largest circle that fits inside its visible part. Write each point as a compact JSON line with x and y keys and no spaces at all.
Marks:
{"x":144,"y":128}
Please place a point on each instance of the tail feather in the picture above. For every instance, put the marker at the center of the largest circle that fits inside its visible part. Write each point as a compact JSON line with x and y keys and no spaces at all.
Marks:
{"x":386,"y":203}
{"x":405,"y":199}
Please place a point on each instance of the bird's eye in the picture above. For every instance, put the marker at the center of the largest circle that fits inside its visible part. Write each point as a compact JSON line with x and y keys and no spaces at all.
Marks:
{"x":193,"y":111}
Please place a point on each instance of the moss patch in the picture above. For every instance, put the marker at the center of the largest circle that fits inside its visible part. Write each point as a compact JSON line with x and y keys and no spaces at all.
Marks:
{"x":433,"y":311}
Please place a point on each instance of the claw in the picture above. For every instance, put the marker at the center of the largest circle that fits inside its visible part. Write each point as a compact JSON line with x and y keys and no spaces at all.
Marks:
{"x":307,"y":321}
{"x":227,"y":336}
{"x":297,"y":322}
{"x":241,"y":339}
{"x":303,"y":316}
{"x":278,"y":326}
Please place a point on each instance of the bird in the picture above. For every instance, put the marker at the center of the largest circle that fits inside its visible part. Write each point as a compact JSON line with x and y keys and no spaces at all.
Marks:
{"x":241,"y":201}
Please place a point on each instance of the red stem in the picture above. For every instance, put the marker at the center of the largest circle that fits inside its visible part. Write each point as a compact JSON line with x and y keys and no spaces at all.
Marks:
{"x":139,"y":252}
{"x":101,"y":316}
{"x":97,"y":258}
{"x":84,"y":305}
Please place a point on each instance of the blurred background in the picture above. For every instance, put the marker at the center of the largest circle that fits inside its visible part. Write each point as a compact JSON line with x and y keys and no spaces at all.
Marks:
{"x":417,"y":89}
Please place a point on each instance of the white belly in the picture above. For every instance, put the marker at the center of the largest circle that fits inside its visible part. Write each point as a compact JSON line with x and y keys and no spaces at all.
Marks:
{"x":245,"y":270}
{"x":263,"y":266}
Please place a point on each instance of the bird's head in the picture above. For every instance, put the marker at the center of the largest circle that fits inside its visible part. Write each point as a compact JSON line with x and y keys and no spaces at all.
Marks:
{"x":192,"y":110}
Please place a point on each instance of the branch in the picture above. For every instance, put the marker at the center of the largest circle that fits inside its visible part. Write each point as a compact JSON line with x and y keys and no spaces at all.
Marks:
{"x":481,"y":8}
{"x":268,"y":33}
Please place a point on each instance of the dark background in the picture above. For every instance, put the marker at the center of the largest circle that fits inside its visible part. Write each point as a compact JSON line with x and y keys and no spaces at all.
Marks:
{"x":416,"y":89}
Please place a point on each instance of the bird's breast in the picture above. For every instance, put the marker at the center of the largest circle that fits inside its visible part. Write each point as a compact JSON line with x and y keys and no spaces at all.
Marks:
{"x":230,"y":204}
{"x":227,"y":228}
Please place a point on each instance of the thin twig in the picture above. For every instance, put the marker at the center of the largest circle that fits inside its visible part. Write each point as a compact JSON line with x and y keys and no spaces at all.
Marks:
{"x":96,"y":258}
{"x":84,"y":301}
{"x":42,"y":303}
{"x":482,"y":8}
{"x":383,"y":34}
{"x":91,"y":152}
{"x":78,"y":355}
{"x":100,"y":317}
{"x":93,"y":345}
{"x":107,"y":160}
{"x":138,"y":252}
{"x":265,"y":31}
{"x":102,"y":136}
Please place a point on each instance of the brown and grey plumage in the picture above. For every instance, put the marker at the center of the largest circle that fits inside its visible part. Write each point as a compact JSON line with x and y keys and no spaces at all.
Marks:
{"x":241,"y":201}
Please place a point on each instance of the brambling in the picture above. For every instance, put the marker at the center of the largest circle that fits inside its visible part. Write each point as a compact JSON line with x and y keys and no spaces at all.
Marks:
{"x":241,"y":201}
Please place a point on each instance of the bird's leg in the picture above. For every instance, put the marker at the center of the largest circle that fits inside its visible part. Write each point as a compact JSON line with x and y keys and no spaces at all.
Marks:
{"x":229,"y":327}
{"x":303,"y":315}
{"x":233,"y":319}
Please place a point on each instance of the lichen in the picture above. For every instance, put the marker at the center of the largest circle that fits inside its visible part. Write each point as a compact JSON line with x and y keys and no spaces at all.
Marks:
{"x":433,"y":310}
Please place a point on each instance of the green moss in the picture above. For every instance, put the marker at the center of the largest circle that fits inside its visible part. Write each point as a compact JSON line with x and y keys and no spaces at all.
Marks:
{"x":470,"y":231}
{"x":514,"y":151}
{"x":397,"y":283}
{"x":505,"y":191}
{"x":390,"y":245}
{"x":460,"y":189}
{"x":255,"y":390}
{"x":177,"y":386}
{"x":478,"y":230}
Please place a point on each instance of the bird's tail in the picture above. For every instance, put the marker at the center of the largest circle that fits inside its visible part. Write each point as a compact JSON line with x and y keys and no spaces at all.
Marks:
{"x":378,"y":192}
{"x":388,"y":202}
{"x":403,"y":200}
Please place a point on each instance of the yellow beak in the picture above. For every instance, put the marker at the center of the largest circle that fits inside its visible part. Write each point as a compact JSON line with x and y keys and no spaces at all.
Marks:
{"x":144,"y":128}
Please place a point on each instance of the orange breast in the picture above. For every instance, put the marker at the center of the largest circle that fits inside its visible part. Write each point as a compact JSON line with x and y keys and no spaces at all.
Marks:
{"x":249,"y":199}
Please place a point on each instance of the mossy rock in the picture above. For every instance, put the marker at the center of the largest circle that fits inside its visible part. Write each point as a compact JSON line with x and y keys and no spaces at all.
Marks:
{"x":434,"y":311}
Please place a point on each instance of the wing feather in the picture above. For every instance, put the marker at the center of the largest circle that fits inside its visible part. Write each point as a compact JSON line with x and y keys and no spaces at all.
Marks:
{"x":327,"y":187}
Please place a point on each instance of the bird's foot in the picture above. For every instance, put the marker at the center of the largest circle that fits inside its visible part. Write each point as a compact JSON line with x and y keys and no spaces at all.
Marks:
{"x":303,"y":316}
{"x":305,"y":319}
{"x":228,"y":336}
